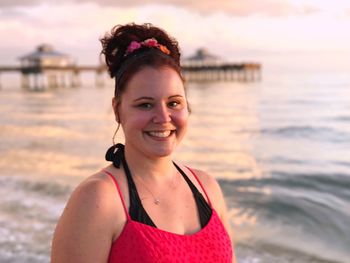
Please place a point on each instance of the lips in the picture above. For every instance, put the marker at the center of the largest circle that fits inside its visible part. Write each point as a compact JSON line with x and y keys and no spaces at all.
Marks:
{"x":160,"y":134}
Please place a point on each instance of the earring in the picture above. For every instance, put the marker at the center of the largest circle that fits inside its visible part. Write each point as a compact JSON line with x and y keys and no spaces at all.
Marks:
{"x":115,"y":134}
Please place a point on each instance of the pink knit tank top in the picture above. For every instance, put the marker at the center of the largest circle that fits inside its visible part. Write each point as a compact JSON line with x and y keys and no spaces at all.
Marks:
{"x":139,"y":242}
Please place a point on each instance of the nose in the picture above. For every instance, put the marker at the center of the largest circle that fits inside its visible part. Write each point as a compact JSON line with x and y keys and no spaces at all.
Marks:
{"x":161,"y":114}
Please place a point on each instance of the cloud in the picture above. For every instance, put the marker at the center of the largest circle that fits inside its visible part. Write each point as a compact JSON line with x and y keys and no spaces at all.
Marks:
{"x":74,"y":28}
{"x":248,"y":7}
{"x":233,"y":7}
{"x":15,"y":3}
{"x":70,"y":28}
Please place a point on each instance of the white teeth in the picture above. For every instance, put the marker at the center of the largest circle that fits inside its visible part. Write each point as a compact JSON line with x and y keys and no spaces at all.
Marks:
{"x":162,"y":134}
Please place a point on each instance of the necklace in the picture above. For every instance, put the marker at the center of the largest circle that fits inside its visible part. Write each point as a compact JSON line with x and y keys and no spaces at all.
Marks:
{"x":156,"y":200}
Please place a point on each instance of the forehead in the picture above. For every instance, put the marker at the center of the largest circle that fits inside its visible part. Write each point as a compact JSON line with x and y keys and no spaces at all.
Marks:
{"x":155,"y":82}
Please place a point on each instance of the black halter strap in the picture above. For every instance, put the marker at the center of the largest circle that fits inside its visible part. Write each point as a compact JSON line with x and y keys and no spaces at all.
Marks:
{"x":137,"y":212}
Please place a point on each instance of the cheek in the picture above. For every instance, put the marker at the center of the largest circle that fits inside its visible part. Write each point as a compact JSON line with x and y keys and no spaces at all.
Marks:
{"x":180,"y":118}
{"x":136,"y":120}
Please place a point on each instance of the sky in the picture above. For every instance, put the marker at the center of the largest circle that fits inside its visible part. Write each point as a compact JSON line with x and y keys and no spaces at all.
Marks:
{"x":246,"y":30}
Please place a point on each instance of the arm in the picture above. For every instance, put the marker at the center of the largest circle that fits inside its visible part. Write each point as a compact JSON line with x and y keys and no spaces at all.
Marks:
{"x":84,"y":232}
{"x":224,"y":216}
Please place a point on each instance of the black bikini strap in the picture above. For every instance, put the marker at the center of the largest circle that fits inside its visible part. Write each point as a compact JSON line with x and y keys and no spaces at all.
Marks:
{"x":136,"y":209}
{"x":189,"y":182}
{"x":203,"y":207}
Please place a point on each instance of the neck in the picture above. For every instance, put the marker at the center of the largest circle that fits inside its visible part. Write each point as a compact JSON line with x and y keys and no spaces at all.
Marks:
{"x":151,"y":169}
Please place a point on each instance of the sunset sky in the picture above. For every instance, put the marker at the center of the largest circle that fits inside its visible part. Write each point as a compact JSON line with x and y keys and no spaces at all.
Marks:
{"x":235,"y":30}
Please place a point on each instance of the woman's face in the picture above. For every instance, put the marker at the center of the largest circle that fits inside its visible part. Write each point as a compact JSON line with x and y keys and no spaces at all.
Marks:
{"x":153,"y":112}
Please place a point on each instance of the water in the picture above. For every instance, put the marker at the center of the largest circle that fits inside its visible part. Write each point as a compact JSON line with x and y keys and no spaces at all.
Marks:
{"x":279,"y":148}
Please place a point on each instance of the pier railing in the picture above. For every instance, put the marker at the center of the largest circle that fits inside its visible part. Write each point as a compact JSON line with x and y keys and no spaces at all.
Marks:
{"x":223,"y":72}
{"x":42,"y":77}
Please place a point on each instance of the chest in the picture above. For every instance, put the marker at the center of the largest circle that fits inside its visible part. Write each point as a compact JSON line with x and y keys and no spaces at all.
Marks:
{"x":141,"y":242}
{"x":174,"y":211}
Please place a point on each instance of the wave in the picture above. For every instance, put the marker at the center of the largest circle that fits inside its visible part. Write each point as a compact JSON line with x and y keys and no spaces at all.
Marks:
{"x":320,"y":133}
{"x":40,"y":187}
{"x":340,"y":119}
{"x":346,"y":164}
{"x":269,"y":253}
{"x":302,"y":212}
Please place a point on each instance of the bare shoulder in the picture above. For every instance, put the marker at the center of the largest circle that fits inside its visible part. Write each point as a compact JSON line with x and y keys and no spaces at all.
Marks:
{"x":209,"y":182}
{"x":92,"y":196}
{"x":94,"y":188}
{"x":214,"y":191}
{"x":86,"y":229}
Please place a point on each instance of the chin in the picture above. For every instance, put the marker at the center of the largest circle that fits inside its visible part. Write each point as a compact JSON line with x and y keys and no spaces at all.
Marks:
{"x":162,"y":152}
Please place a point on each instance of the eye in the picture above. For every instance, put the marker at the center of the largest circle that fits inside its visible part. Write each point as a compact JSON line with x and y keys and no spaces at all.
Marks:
{"x":174,"y":104}
{"x":144,"y":106}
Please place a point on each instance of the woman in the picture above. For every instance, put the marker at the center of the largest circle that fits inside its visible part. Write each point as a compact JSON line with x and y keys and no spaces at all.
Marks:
{"x":144,"y":207}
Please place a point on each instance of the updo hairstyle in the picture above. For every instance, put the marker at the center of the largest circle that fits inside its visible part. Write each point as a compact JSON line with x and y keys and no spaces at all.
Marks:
{"x":122,"y":67}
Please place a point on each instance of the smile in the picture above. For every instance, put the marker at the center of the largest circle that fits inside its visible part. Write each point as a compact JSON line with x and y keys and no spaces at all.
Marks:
{"x":160,"y":134}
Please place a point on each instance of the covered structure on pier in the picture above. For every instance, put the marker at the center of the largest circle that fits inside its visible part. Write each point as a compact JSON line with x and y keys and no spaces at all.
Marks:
{"x":46,"y":68}
{"x":203,"y":66}
{"x":202,"y":57}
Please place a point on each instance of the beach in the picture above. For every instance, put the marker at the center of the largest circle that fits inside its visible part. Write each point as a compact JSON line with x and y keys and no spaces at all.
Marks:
{"x":279,"y":149}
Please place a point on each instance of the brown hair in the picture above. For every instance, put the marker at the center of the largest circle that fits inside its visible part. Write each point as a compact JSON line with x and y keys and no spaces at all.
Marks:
{"x":122,"y":66}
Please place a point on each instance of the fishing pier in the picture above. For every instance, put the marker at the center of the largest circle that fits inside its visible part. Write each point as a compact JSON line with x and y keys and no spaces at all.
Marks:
{"x":46,"y":69}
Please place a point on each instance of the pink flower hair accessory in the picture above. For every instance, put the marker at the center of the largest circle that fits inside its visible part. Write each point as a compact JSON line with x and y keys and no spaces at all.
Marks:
{"x":150,"y":43}
{"x":134,"y":45}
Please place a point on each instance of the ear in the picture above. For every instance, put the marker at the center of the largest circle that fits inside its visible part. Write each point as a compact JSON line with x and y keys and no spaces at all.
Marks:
{"x":115,"y":106}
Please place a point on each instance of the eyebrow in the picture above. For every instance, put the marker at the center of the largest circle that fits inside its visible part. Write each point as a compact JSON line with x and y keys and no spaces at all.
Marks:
{"x":144,"y":98}
{"x":150,"y":98}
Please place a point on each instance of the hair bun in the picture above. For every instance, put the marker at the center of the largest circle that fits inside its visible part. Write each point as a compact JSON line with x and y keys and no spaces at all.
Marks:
{"x":116,"y":42}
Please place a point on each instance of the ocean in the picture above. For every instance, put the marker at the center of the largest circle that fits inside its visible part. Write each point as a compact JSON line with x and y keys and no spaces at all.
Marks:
{"x":280,"y":149}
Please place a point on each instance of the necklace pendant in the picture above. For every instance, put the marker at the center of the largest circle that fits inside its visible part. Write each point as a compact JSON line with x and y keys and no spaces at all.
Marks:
{"x":156,"y":201}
